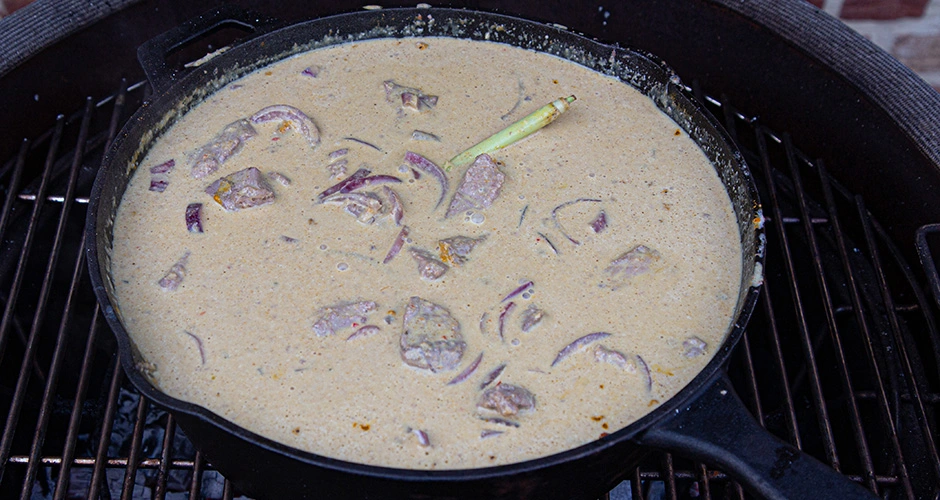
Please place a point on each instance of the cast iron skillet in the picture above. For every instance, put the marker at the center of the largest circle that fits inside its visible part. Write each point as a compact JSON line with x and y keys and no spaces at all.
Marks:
{"x":705,"y":420}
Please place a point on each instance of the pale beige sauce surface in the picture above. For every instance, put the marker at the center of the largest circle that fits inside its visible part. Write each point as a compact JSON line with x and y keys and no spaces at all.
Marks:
{"x":252,"y":297}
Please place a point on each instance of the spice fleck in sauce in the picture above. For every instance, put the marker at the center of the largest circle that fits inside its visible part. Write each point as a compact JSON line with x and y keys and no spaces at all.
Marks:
{"x":303,"y":269}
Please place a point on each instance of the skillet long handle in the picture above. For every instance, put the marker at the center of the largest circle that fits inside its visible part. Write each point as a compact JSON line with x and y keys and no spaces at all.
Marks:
{"x":718,"y":429}
{"x":152,"y":54}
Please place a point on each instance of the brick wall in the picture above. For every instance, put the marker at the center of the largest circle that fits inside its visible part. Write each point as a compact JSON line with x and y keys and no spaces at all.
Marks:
{"x":908,"y":29}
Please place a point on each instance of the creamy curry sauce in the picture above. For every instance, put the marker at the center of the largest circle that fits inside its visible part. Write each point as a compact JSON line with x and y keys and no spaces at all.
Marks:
{"x":267,"y":297}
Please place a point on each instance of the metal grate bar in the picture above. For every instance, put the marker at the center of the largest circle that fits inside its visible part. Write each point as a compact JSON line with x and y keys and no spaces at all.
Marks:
{"x":670,"y":476}
{"x":165,"y":458}
{"x":8,"y":316}
{"x":731,"y":117}
{"x":98,"y":474}
{"x":228,"y":491}
{"x":75,"y":418}
{"x":860,"y":441}
{"x":194,"y":488}
{"x":900,"y":344}
{"x":54,"y":198}
{"x":55,"y":367}
{"x":862,"y":322}
{"x":636,"y":485}
{"x":822,"y":413}
{"x":756,"y":408}
{"x":147,"y":463}
{"x":9,"y":430}
{"x":13,"y":187}
{"x":703,"y":484}
{"x":926,"y":258}
{"x":52,"y":381}
{"x":133,"y":457}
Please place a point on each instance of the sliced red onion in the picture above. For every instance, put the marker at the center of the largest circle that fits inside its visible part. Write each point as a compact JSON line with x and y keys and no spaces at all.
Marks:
{"x":469,"y":371}
{"x":158,"y":185}
{"x":427,"y":101}
{"x":163,"y":168}
{"x":483,"y":320}
{"x":422,"y":436}
{"x":356,"y":177}
{"x":294,"y":117}
{"x":419,"y":135}
{"x":202,"y":351}
{"x":395,"y":204}
{"x":599,"y":223}
{"x":646,"y":371}
{"x":578,"y":344}
{"x":563,"y":205}
{"x":364,"y":331}
{"x":550,"y":244}
{"x":172,"y":279}
{"x":380,"y":179}
{"x":339,"y":153}
{"x":288,"y":239}
{"x":279,"y":178}
{"x":311,"y":71}
{"x":487,"y":433}
{"x":337,"y":169}
{"x":525,"y":286}
{"x":500,"y":421}
{"x":396,"y":246}
{"x":493,"y":375}
{"x":502,"y":317}
{"x":429,"y":167}
{"x":194,"y":217}
{"x":364,"y":143}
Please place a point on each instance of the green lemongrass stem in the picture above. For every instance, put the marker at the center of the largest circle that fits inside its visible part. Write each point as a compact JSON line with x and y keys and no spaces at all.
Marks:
{"x":507,"y":136}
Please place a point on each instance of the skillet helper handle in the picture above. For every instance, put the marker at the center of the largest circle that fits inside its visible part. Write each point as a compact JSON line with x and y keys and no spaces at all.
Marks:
{"x":718,"y":429}
{"x":152,"y":54}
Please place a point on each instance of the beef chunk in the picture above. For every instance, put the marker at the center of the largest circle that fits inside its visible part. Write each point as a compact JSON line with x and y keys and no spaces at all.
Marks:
{"x":693,"y":346}
{"x":616,"y":358}
{"x":638,"y":260}
{"x":208,"y":158}
{"x":428,"y":267}
{"x":411,"y":98}
{"x":456,"y":250}
{"x":430,"y":339}
{"x":172,"y":279}
{"x":293,"y":118}
{"x":243,"y":189}
{"x":531,"y":317}
{"x":632,"y":363}
{"x":479,"y":188}
{"x":507,"y":400}
{"x":364,"y":206}
{"x":343,"y":315}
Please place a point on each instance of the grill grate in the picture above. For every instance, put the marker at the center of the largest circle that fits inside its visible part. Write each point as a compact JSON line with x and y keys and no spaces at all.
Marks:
{"x":842,"y":358}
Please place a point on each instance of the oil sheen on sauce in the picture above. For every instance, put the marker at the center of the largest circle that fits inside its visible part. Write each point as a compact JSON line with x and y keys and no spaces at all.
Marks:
{"x":238,"y":335}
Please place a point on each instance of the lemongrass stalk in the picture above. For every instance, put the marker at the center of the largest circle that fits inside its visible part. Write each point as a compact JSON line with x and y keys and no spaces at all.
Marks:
{"x":522,"y":128}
